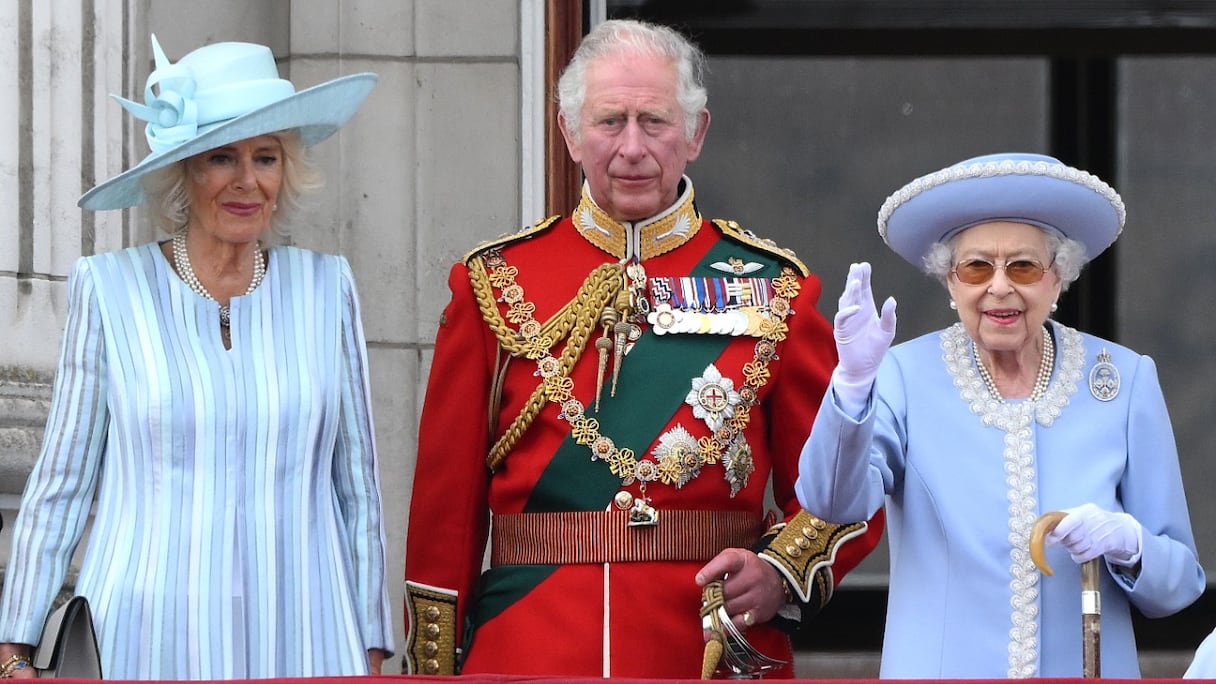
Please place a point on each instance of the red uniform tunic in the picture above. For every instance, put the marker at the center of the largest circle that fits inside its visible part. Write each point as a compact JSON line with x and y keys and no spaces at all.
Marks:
{"x":638,"y":618}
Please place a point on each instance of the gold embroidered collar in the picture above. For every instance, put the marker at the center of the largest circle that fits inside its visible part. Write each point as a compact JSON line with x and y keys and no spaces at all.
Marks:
{"x":644,"y":239}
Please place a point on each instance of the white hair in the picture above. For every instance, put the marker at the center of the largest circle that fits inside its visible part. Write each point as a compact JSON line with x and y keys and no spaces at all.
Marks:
{"x":1067,"y":257}
{"x":627,"y":36}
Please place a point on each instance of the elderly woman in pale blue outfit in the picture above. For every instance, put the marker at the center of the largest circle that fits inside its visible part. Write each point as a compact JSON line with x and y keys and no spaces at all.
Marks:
{"x":967,"y":435}
{"x":212,"y":397}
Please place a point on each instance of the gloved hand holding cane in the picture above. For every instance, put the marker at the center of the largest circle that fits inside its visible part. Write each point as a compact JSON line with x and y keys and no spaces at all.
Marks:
{"x":1088,"y":532}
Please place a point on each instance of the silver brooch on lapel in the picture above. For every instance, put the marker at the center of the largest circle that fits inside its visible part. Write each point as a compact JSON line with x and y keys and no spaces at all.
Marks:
{"x":1104,"y":378}
{"x":736,"y":266}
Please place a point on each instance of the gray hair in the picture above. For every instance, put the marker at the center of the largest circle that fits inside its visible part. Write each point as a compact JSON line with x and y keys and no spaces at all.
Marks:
{"x":1067,"y":256}
{"x":168,"y":198}
{"x":627,"y":36}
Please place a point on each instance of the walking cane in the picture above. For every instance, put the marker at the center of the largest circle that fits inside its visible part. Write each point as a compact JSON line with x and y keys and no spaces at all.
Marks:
{"x":1091,"y":602}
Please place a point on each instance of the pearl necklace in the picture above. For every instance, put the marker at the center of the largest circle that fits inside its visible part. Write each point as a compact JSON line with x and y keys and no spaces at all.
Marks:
{"x":181,"y":259}
{"x":1041,"y":380}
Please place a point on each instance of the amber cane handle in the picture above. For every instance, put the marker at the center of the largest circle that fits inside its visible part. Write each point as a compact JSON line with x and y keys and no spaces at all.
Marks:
{"x":1091,"y":620}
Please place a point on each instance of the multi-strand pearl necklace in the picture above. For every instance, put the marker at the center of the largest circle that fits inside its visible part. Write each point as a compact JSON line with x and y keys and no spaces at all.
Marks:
{"x":182,"y":260}
{"x":1041,"y":380}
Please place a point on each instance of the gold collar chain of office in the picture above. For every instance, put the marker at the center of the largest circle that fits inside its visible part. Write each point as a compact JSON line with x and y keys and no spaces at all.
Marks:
{"x":535,"y":341}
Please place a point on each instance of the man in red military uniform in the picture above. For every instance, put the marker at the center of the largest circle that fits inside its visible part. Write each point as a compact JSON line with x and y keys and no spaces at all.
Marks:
{"x":611,"y":394}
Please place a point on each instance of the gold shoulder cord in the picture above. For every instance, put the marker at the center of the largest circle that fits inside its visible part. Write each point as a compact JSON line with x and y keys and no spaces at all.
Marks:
{"x":574,"y":323}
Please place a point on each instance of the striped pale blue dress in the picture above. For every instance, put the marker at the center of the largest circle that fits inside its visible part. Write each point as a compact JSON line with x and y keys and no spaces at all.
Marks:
{"x":238,"y":529}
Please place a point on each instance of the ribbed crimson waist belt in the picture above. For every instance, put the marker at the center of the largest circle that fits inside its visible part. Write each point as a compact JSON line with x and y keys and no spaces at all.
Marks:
{"x":606,"y":537}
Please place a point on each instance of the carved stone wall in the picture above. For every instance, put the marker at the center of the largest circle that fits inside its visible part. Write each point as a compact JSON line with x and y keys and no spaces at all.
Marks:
{"x":430,"y":166}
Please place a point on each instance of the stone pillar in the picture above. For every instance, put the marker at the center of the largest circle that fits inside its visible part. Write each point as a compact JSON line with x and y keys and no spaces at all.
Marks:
{"x":58,"y":59}
{"x":435,"y":162}
{"x":427,"y":169}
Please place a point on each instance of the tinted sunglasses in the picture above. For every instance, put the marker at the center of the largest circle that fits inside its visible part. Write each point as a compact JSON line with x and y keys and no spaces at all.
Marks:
{"x":980,"y":271}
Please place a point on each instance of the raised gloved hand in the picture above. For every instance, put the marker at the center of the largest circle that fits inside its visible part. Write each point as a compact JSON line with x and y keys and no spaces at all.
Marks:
{"x":1088,"y":531}
{"x":862,"y":338}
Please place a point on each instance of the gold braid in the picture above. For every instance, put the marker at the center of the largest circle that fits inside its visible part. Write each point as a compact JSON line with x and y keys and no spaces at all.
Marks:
{"x":574,"y":322}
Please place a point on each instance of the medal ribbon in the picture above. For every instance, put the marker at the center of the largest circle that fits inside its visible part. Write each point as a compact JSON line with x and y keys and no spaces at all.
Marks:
{"x":708,"y":295}
{"x":654,"y":382}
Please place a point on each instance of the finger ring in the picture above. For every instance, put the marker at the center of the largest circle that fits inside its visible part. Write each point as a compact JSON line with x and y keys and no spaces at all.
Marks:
{"x":748,"y":618}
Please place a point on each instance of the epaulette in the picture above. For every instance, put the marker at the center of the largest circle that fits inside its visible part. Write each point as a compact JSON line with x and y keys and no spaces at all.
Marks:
{"x":738,"y":233}
{"x":507,"y":238}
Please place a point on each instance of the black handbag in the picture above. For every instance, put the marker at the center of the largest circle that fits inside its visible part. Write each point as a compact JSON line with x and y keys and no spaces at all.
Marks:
{"x":68,"y":648}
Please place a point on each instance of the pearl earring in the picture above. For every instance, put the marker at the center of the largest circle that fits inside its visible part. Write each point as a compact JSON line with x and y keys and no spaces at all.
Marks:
{"x":1054,"y":306}
{"x":954,"y":305}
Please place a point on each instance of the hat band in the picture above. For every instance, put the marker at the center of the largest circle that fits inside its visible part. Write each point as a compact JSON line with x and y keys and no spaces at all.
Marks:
{"x":232,"y":100}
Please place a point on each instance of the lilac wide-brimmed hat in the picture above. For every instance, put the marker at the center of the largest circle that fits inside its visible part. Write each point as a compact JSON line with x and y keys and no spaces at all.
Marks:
{"x":220,"y":94}
{"x":1020,"y":187}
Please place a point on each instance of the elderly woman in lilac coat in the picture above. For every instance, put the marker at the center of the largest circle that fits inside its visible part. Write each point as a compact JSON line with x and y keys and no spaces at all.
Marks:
{"x":968,"y":434}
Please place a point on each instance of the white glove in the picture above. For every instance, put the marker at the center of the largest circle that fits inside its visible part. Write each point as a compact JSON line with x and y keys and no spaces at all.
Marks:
{"x":862,"y":338}
{"x":1088,"y":532}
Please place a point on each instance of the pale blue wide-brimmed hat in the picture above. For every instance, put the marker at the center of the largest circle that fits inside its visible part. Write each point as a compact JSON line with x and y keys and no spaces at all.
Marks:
{"x":220,"y":94}
{"x":1013,"y":186}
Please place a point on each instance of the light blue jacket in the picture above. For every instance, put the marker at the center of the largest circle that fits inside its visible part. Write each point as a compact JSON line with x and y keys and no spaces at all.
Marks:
{"x":238,"y":527}
{"x":963,"y":477}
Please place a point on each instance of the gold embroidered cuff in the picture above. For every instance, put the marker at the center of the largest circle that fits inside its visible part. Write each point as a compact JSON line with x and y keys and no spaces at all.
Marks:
{"x":803,"y":551}
{"x":430,"y":614}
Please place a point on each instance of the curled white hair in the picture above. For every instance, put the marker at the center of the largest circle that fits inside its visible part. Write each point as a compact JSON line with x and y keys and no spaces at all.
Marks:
{"x":1067,"y":258}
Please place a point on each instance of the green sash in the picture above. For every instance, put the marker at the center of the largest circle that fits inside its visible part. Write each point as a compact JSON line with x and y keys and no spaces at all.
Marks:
{"x":655,"y":378}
